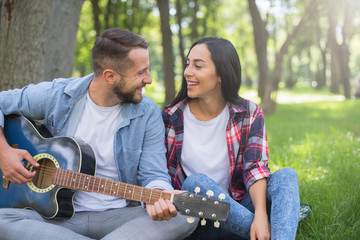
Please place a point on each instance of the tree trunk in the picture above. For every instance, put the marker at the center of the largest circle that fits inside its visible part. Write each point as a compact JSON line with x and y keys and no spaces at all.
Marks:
{"x":261,"y":40}
{"x":61,"y":38}
{"x":333,"y":45}
{"x":194,"y":23}
{"x":109,"y":7}
{"x":134,"y":8}
{"x":168,"y":58}
{"x":344,"y":55}
{"x":321,"y":69}
{"x":181,"y":40}
{"x":96,"y":14}
{"x":290,"y":82}
{"x":23,"y":29}
{"x":344,"y":47}
{"x":269,"y":100}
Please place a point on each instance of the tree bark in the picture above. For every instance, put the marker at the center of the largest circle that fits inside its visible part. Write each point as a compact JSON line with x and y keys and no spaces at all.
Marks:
{"x":344,"y":47}
{"x":261,"y":40}
{"x":269,"y":102}
{"x":194,"y":23}
{"x":168,"y":58}
{"x":333,"y":46}
{"x":61,"y":38}
{"x":321,"y":69}
{"x":181,"y":40}
{"x":22,"y":42}
{"x":96,"y":14}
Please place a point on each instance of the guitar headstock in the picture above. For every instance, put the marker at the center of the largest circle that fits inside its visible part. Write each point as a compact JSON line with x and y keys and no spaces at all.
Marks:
{"x":195,"y":205}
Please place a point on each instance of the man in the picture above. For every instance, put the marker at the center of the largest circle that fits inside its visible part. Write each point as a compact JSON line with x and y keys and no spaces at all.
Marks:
{"x":105,"y":109}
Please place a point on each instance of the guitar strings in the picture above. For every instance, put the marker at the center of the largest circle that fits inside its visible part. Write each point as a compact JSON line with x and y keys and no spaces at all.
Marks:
{"x":49,"y":171}
{"x":147,"y":195}
{"x":99,"y":185}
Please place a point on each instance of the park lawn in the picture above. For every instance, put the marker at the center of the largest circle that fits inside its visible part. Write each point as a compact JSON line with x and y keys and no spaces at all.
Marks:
{"x":321,"y":141}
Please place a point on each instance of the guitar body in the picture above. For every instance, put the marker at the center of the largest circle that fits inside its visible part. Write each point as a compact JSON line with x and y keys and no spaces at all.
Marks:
{"x":49,"y":200}
{"x":67,"y":166}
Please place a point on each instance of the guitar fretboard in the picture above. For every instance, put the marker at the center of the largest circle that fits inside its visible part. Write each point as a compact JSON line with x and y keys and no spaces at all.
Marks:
{"x":89,"y":183}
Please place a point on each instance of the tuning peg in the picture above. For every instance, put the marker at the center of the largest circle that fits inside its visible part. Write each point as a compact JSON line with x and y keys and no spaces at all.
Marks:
{"x":197,"y":190}
{"x":221,"y":196}
{"x":203,"y":222}
{"x":210,"y":193}
{"x":216,"y":224}
{"x":190,"y":219}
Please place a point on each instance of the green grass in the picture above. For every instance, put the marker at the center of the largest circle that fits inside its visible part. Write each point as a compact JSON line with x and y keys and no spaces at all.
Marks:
{"x":321,"y":141}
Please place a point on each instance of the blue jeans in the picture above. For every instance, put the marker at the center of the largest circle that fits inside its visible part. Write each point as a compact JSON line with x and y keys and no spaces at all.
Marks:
{"x":283,"y":204}
{"x":123,"y":223}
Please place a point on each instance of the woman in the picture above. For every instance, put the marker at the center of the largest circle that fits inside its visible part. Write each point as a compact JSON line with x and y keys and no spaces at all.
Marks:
{"x":217,"y":141}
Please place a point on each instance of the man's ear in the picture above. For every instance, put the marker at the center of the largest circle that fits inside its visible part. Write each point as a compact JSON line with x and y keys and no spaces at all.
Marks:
{"x":109,"y":76}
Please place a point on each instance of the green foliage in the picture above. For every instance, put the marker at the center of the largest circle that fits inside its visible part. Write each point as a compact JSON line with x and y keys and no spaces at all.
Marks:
{"x":228,"y":19}
{"x":321,"y":141}
{"x":85,"y":39}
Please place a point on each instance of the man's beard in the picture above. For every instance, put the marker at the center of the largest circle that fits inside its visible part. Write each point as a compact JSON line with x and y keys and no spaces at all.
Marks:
{"x":126,"y":96}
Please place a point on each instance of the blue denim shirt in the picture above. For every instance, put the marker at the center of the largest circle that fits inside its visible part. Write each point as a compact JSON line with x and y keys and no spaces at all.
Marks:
{"x":139,"y":148}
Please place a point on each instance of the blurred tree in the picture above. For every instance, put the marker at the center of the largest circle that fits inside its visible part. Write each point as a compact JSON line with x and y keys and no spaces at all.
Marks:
{"x":304,"y":59}
{"x":340,"y":53}
{"x":179,"y":17}
{"x":271,"y":80}
{"x":261,"y":36}
{"x":29,"y":37}
{"x":322,"y":46}
{"x":167,"y":49}
{"x":61,"y":38}
{"x":96,"y":16}
{"x":193,"y":19}
{"x":22,"y":41}
{"x":130,"y":14}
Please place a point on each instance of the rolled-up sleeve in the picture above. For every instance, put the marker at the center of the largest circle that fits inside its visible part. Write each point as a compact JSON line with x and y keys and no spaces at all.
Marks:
{"x":255,"y":162}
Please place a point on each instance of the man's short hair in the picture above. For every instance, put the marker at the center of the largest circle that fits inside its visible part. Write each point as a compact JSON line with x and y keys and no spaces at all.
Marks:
{"x":111,"y":50}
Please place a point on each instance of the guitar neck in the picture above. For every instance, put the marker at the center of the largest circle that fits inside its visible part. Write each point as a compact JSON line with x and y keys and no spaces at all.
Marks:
{"x":89,"y":183}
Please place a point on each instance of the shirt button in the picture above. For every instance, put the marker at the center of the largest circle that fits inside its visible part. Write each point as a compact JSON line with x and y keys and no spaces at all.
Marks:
{"x":57,"y":130}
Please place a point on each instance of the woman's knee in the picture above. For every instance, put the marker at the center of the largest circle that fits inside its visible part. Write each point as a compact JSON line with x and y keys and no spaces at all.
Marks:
{"x":286,"y":177}
{"x":286,"y":173}
{"x":201,"y":181}
{"x":193,"y":181}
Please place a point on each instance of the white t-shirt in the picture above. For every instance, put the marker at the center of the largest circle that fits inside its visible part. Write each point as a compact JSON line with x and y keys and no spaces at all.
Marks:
{"x":97,"y":128}
{"x":205,"y":148}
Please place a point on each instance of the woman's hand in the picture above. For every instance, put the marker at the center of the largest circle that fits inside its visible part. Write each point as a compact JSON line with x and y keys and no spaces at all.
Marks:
{"x":260,"y":227}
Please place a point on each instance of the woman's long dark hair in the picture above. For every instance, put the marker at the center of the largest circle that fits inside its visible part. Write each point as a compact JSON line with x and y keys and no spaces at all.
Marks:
{"x":227,"y":63}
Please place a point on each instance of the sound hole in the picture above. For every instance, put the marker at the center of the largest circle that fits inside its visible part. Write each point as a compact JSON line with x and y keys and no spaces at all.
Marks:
{"x":44,"y":173}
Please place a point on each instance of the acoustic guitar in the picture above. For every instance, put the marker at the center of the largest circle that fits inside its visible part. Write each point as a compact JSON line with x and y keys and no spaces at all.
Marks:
{"x":67,"y":166}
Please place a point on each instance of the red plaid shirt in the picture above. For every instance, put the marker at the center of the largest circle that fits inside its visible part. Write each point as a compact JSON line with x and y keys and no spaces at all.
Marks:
{"x":246,"y":142}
